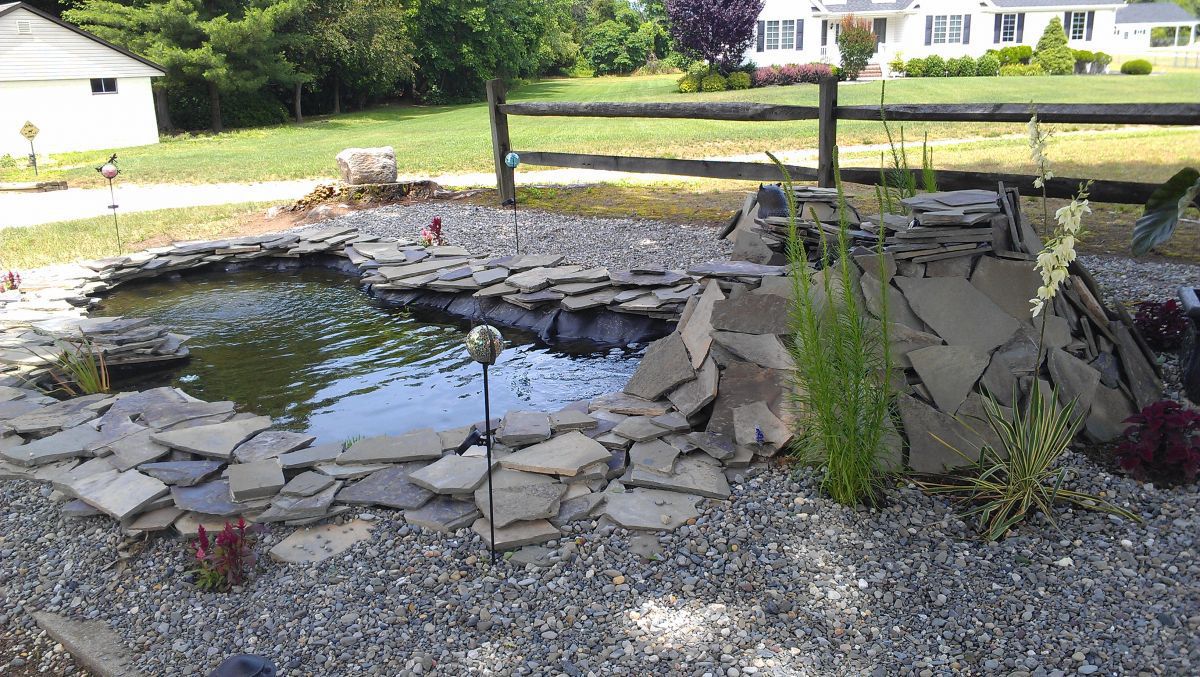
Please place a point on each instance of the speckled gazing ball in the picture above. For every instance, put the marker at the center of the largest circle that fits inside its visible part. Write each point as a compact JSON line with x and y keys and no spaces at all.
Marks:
{"x":484,"y":344}
{"x":512,"y":160}
{"x":109,"y":171}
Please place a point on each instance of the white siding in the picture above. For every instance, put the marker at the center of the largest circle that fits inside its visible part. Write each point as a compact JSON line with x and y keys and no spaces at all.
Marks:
{"x":52,"y":52}
{"x":71,"y":118}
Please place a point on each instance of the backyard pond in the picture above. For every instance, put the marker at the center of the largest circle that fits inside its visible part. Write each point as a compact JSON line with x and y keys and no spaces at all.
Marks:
{"x":315,"y":353}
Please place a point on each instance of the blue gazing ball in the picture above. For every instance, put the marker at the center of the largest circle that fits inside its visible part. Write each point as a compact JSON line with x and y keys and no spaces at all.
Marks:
{"x":512,"y":160}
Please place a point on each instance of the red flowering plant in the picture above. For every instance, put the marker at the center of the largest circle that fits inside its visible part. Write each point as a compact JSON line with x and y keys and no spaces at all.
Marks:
{"x":1163,"y":324}
{"x":1162,"y":442}
{"x":431,"y":235}
{"x":10,"y":280}
{"x":226,"y":561}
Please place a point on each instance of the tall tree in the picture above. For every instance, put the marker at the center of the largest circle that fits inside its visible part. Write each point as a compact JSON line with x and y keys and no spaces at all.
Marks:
{"x":718,"y":31}
{"x":365,"y":47}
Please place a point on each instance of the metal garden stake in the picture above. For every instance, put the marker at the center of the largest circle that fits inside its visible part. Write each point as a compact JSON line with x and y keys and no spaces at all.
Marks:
{"x":484,"y":345}
{"x":110,"y":171}
{"x":511,"y":161}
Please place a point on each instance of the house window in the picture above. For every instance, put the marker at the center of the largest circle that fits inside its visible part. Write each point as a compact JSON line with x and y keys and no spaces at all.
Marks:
{"x":104,"y":85}
{"x":787,"y":38}
{"x":948,"y":29}
{"x":1008,"y":28}
{"x":1078,"y":25}
{"x":772,"y":35}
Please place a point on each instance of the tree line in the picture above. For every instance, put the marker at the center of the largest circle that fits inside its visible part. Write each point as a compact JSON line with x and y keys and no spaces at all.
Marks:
{"x":237,"y":63}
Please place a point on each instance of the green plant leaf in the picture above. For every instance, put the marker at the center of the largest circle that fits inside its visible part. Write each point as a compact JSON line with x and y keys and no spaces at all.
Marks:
{"x":1164,"y":209}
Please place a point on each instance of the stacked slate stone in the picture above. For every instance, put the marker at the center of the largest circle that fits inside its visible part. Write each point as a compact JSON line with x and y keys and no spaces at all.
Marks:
{"x":959,"y":274}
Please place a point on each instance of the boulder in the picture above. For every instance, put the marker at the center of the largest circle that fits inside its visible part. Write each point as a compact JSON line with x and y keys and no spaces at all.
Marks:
{"x":367,"y":165}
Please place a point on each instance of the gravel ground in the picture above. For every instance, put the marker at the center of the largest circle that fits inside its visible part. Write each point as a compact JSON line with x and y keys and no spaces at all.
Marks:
{"x":619,"y":243}
{"x":776,"y":581}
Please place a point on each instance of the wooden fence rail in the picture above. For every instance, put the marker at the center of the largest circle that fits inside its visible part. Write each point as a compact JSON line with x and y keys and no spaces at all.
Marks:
{"x":827,"y":114}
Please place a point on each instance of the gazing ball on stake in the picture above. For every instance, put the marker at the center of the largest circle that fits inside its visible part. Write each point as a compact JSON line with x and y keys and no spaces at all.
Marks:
{"x":512,"y":160}
{"x":484,"y":344}
{"x":109,"y":171}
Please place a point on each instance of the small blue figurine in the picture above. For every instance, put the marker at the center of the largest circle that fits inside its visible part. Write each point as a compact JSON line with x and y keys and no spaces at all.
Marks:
{"x":759,"y":438}
{"x":512,"y":160}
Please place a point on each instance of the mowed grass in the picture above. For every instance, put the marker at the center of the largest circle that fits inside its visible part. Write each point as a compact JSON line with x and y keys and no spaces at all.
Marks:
{"x":431,"y":140}
{"x":94,"y":238}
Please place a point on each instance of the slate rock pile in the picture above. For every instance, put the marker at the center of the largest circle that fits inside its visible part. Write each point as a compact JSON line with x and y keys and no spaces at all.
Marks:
{"x":958,"y":272}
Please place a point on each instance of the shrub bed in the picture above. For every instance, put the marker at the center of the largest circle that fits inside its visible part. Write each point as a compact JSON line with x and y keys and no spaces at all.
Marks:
{"x":1137,"y":67}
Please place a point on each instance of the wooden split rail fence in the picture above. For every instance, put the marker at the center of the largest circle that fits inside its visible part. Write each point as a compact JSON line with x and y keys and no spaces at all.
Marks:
{"x":827,"y":114}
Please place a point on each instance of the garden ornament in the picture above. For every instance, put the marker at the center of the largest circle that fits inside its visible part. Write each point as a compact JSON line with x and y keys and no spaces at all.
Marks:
{"x":771,"y":201}
{"x":244,"y":665}
{"x":109,"y":170}
{"x":484,"y":345}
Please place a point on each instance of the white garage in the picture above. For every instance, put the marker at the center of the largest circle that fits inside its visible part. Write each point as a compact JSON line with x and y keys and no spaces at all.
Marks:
{"x":81,"y":92}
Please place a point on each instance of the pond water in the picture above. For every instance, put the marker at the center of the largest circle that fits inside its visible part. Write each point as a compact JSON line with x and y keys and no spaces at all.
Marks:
{"x":315,"y":353}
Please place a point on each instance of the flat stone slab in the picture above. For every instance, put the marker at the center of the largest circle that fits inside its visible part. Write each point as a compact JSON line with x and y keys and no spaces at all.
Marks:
{"x":519,"y":496}
{"x":210,"y":498}
{"x":289,"y":508}
{"x":306,"y":484}
{"x":650,"y":509}
{"x":639,"y":429}
{"x":182,"y":473}
{"x":958,"y":312}
{"x":655,"y":455}
{"x":735,"y":269}
{"x":59,"y":416}
{"x":155,"y":520}
{"x":696,"y":394}
{"x":929,"y":431}
{"x":756,"y":426}
{"x":167,"y":414}
{"x":390,"y":487}
{"x":519,"y":428}
{"x":562,"y":455}
{"x":349,"y":472}
{"x":949,"y":372}
{"x":516,"y":534}
{"x":631,"y":405}
{"x":93,"y":466}
{"x":753,"y":314}
{"x":69,"y":443}
{"x":135,"y":450}
{"x":318,"y":544}
{"x":119,"y":495}
{"x":765,"y":350}
{"x":665,"y":365}
{"x":578,"y":508}
{"x":451,"y":475}
{"x":92,"y":644}
{"x":261,"y":479}
{"x":570,"y":419}
{"x":270,"y":444}
{"x":443,"y":514}
{"x":214,"y":441}
{"x":720,"y":447}
{"x":418,"y":445}
{"x":690,"y":475}
{"x":1075,"y":379}
{"x":1009,"y":284}
{"x":307,"y":458}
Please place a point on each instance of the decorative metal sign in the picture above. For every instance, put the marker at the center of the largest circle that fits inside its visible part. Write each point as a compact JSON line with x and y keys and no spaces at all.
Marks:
{"x":29,"y":130}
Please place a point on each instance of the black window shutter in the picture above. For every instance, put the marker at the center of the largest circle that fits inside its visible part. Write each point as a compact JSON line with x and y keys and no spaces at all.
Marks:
{"x":799,"y":34}
{"x":1067,"y":24}
{"x":966,"y":34}
{"x":996,"y":32}
{"x":928,"y":30}
{"x":1020,"y":28}
{"x":1091,"y":19}
{"x":824,"y":32}
{"x":762,"y":36}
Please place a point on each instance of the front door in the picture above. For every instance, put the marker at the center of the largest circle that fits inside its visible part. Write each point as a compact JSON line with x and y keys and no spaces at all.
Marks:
{"x":880,"y":30}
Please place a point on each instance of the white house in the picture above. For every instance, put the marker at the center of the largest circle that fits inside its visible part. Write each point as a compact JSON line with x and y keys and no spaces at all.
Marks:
{"x":1136,"y":23}
{"x":803,"y":31}
{"x":82,"y":93}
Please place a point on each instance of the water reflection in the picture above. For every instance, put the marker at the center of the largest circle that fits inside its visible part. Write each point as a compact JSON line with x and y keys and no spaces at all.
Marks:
{"x":313,"y":352}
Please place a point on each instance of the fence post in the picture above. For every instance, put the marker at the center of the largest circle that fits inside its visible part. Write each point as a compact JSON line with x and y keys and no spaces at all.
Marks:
{"x":505,"y":184}
{"x":827,"y":131}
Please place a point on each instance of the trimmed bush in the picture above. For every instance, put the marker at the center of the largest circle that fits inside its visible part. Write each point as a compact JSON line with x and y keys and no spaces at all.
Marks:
{"x":961,"y":67}
{"x":896,"y":65}
{"x":1015,"y":54}
{"x":765,"y":76}
{"x":791,"y":74}
{"x":1100,"y":65}
{"x":856,"y":43}
{"x":1056,"y":61}
{"x":689,"y":84}
{"x":1021,"y":70}
{"x":915,"y":68}
{"x":713,"y":83}
{"x":935,"y":67}
{"x":738,"y":80}
{"x":1137,"y":67}
{"x":988,"y":66}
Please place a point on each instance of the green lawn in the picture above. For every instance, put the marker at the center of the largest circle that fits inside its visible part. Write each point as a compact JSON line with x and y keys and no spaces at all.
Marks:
{"x":436,"y":139}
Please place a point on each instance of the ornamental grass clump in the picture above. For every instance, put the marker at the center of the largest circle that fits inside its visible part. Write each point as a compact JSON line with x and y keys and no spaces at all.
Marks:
{"x":843,"y":365}
{"x":81,"y":370}
{"x":1013,"y":480}
{"x":226,"y":561}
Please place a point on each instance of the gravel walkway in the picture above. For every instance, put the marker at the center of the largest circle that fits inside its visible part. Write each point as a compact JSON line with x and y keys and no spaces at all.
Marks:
{"x":618,"y":243}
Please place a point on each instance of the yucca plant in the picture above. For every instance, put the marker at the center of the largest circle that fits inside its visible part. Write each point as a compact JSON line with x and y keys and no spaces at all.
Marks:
{"x":81,"y":370}
{"x":1008,"y":484}
{"x":843,"y":368}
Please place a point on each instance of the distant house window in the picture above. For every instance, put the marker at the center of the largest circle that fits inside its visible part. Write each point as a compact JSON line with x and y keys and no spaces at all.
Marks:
{"x":1078,"y":25}
{"x":772,"y":35}
{"x":1008,"y":28}
{"x":787,"y":38}
{"x":948,"y":29}
{"x":24,"y":27}
{"x":104,"y":85}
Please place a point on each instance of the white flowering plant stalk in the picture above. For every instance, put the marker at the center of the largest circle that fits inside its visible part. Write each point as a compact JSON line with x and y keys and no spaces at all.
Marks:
{"x":1039,"y":139}
{"x":1053,"y":262}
